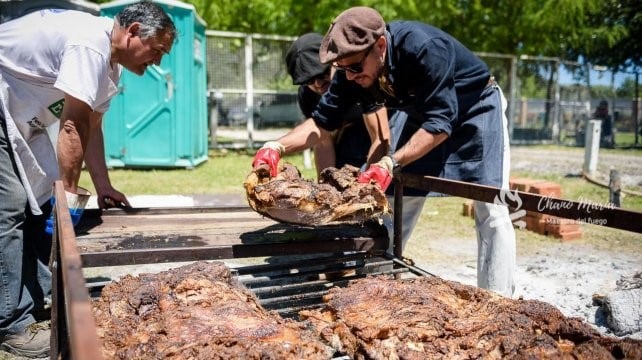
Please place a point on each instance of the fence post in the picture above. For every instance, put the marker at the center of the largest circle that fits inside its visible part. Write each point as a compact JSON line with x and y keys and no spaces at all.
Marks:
{"x":249,"y":91}
{"x":512,"y":102}
{"x":615,"y":186}
{"x":555,"y":126}
{"x":592,"y":146}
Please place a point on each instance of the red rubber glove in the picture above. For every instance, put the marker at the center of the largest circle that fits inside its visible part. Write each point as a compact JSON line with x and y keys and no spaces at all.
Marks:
{"x":379,"y":172}
{"x":269,"y":154}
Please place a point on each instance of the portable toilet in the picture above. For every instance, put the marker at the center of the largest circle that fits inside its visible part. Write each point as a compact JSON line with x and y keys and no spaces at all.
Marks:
{"x":159,"y":119}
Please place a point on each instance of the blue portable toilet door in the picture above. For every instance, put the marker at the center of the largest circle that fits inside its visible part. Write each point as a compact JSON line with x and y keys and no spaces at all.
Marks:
{"x":147,"y":112}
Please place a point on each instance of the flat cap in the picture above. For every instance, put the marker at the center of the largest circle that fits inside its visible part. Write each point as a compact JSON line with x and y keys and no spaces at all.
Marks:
{"x":302,"y":59}
{"x":354,"y":30}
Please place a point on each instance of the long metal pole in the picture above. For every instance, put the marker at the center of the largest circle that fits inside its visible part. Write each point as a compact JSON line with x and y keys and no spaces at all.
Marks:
{"x":636,"y":107}
{"x":582,"y":211}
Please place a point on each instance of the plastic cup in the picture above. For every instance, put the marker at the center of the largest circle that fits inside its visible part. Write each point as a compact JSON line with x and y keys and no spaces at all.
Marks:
{"x":76,"y":201}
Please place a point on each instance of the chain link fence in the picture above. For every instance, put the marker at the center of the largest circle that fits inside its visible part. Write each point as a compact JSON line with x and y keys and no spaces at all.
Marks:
{"x":550,"y":101}
{"x":248,"y":85}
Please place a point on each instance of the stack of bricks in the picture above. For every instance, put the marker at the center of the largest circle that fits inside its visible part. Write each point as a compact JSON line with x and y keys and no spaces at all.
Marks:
{"x":564,"y":229}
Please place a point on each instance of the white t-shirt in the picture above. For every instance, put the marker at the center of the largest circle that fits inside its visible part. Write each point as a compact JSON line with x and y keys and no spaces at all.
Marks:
{"x":44,"y":55}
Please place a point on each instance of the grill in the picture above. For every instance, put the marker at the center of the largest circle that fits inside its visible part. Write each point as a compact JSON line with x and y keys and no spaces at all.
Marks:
{"x":297,"y":266}
{"x":288,"y":267}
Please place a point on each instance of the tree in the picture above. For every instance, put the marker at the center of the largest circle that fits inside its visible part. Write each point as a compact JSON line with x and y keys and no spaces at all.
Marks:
{"x":613,"y":35}
{"x":604,"y":32}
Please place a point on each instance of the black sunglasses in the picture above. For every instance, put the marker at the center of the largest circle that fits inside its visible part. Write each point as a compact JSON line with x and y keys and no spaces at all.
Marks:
{"x":355,"y":68}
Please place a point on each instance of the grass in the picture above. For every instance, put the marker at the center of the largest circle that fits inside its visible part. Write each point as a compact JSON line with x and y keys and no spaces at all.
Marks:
{"x":627,"y":139}
{"x":225,"y":171}
{"x":441,"y":218}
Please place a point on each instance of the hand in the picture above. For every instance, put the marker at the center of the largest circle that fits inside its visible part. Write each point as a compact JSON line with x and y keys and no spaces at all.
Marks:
{"x":379,"y":172}
{"x":269,"y":154}
{"x":112,"y":198}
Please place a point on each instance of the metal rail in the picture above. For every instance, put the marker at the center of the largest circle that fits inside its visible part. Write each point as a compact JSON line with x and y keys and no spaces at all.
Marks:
{"x":72,"y":322}
{"x":611,"y":216}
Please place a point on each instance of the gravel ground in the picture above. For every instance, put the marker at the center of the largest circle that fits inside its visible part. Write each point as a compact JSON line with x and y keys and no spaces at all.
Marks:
{"x":569,"y":162}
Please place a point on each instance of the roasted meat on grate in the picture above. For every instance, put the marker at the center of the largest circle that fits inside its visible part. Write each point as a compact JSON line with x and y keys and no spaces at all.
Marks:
{"x":431,"y":318}
{"x":195,"y":312}
{"x":336,"y":198}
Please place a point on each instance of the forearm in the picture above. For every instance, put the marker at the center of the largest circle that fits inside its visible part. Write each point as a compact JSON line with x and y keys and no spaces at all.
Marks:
{"x":304,"y":136}
{"x":421,"y":143}
{"x":95,"y":160}
{"x":72,"y":141}
{"x":324,"y":152}
{"x":379,"y":132}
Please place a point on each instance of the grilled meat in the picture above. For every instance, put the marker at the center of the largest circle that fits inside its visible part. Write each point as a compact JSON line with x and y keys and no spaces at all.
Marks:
{"x":337,"y":197}
{"x":195,"y":312}
{"x":431,"y":318}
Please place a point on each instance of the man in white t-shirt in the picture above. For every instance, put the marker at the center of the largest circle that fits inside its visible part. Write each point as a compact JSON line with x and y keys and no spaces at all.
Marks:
{"x":58,"y":67}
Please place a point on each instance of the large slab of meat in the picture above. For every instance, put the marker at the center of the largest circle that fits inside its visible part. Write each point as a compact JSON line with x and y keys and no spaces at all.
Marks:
{"x":430,"y":318}
{"x":336,"y":198}
{"x":195,"y":312}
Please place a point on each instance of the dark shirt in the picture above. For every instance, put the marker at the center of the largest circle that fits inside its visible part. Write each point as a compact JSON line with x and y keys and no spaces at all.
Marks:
{"x":435,"y":79}
{"x":352,"y":141}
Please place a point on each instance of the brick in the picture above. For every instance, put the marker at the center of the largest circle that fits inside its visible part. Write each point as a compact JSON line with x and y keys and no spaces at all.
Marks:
{"x":547,"y":188}
{"x":535,"y":224}
{"x":523,"y":184}
{"x":468,"y":209}
{"x":568,"y":236}
{"x":556,"y":225}
{"x":535,"y":214}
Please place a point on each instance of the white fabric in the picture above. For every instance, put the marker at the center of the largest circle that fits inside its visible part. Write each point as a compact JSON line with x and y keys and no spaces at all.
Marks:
{"x":43,"y":56}
{"x":496,"y":248}
{"x":496,"y":256}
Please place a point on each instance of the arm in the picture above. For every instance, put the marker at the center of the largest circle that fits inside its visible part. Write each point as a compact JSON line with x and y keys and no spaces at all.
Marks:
{"x":379,"y":131}
{"x":379,"y":167}
{"x":421,"y":143}
{"x":324,"y":152}
{"x":95,"y":161}
{"x":73,"y":137}
{"x":303,"y":136}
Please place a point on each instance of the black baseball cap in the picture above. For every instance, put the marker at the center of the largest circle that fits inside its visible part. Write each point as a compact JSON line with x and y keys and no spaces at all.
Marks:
{"x":302,"y":59}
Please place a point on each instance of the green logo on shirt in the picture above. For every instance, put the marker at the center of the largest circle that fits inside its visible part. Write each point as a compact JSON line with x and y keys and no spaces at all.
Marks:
{"x":56,"y":108}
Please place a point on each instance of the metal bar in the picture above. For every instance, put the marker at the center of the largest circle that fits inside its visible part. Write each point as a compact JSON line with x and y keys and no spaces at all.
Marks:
{"x":398,"y":218}
{"x":415,"y":270}
{"x":163,"y":211}
{"x":317,"y":262}
{"x":165,"y":255}
{"x":580,"y":211}
{"x":78,"y":319}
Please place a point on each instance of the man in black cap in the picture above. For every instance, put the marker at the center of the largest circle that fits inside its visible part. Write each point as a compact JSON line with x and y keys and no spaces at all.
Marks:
{"x":450,"y":123}
{"x":347,"y":145}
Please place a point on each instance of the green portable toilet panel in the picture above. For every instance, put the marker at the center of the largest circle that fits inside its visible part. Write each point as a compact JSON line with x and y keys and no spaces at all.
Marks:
{"x":160,"y":119}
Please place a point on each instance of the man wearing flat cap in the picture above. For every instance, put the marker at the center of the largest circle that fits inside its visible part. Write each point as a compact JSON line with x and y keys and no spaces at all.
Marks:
{"x":450,"y":121}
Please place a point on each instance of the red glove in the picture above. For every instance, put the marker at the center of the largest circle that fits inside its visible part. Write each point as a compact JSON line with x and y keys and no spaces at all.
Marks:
{"x":269,"y":154}
{"x":380,"y":172}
